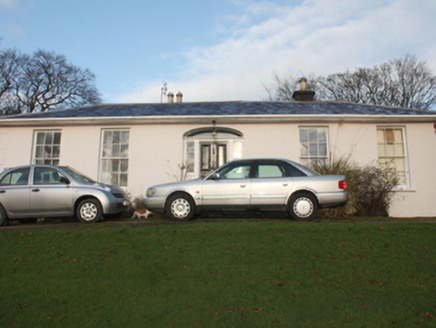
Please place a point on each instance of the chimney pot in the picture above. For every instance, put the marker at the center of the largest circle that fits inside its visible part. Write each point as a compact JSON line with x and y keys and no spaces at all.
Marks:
{"x":179,"y":97}
{"x":170,"y":97}
{"x":303,"y":81}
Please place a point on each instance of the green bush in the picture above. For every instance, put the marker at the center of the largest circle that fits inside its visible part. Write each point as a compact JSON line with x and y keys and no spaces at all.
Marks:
{"x":370,"y":189}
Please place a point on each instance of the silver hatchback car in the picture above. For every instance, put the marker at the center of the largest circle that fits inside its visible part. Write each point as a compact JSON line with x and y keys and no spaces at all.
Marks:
{"x":257,"y":184}
{"x":40,"y":191}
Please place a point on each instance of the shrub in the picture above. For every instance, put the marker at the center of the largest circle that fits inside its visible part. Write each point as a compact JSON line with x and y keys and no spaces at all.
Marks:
{"x":370,"y":189}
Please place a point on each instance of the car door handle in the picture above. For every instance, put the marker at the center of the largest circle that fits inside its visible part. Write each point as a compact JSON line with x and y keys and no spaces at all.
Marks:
{"x":35,"y":190}
{"x":2,"y":191}
{"x":285,"y":185}
{"x":242,"y":186}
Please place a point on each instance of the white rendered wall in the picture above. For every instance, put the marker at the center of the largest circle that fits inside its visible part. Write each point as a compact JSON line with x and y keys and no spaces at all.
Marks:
{"x":156,"y":151}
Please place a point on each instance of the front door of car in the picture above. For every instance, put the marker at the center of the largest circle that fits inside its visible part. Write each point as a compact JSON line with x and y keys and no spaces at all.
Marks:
{"x":14,"y":191}
{"x":230,"y":187}
{"x":50,"y":194}
{"x":270,"y":184}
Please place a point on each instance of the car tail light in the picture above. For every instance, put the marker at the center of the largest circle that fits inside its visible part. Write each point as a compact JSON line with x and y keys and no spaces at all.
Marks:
{"x":342,"y":184}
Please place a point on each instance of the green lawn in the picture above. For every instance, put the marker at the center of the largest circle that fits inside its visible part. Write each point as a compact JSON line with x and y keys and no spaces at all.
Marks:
{"x":230,"y":274}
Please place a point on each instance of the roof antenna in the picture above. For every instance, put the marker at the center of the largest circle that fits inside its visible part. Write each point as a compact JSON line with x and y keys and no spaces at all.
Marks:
{"x":163,"y":91}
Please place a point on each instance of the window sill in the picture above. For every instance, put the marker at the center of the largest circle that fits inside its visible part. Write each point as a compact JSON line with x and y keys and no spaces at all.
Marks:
{"x":403,"y":189}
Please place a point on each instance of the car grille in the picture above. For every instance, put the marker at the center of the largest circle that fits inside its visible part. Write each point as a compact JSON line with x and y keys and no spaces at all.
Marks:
{"x":118,"y":195}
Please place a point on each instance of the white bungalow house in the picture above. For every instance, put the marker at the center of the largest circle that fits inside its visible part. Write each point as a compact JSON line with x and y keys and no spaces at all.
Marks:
{"x":139,"y":145}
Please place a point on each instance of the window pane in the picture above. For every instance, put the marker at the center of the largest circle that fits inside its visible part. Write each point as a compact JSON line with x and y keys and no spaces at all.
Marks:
{"x":115,"y":165}
{"x":40,"y":137}
{"x":313,"y":145}
{"x":115,"y":150}
{"x":389,"y":136}
{"x":322,"y":150}
{"x":399,"y":149}
{"x":391,"y":152}
{"x":48,"y":138}
{"x":114,"y":157}
{"x":47,"y":148}
{"x":56,"y":151}
{"x":39,"y":151}
{"x":398,"y":135}
{"x":125,"y":137}
{"x":114,"y":179}
{"x":190,"y":157}
{"x":124,"y":165}
{"x":124,"y":151}
{"x":269,"y":171}
{"x":123,"y":180}
{"x":57,"y":138}
{"x":116,"y":137}
{"x":381,"y":149}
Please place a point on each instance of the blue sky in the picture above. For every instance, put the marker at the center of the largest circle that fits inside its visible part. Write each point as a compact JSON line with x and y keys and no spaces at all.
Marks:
{"x":217,"y":50}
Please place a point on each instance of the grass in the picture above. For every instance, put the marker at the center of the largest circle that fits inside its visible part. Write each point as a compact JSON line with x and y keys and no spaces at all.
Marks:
{"x":232,"y":274}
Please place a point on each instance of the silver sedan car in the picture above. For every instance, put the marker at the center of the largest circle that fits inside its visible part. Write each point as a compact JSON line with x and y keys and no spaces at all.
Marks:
{"x":40,"y":191}
{"x":257,"y":184}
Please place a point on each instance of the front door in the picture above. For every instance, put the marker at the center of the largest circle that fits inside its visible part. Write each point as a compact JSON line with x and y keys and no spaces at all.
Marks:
{"x":213,"y":155}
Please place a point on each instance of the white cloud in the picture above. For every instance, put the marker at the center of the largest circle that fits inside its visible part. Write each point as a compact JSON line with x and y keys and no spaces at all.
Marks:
{"x":316,"y":37}
{"x":9,"y":3}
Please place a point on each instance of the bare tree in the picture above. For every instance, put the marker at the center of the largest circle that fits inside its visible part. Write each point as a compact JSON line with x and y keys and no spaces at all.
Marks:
{"x":43,"y":81}
{"x":404,"y":82}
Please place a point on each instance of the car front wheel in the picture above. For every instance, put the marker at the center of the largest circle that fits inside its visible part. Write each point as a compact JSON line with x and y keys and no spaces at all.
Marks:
{"x":303,"y":207}
{"x":89,"y":211}
{"x":180,"y":207}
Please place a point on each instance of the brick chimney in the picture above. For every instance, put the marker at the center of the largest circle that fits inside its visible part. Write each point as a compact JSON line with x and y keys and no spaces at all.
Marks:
{"x":303,"y":94}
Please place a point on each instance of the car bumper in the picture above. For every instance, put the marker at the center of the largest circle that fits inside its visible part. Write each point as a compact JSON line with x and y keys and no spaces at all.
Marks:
{"x":117,"y":207}
{"x":154,"y":204}
{"x":333,"y":199}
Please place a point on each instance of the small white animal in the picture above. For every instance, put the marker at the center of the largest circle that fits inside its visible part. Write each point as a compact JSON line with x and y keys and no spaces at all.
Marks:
{"x":141,"y":213}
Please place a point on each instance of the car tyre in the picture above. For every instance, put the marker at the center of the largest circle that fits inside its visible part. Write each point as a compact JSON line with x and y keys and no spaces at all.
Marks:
{"x":303,"y":207}
{"x":3,"y":216}
{"x":180,"y":207}
{"x":89,"y":211}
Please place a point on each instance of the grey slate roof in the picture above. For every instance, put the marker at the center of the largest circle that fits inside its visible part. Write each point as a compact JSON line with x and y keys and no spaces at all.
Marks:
{"x":222,"y":109}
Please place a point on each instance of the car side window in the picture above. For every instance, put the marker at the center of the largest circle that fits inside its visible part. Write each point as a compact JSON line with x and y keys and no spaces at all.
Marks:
{"x":47,"y":176}
{"x":236,"y":171}
{"x":270,"y":171}
{"x":18,"y":177}
{"x":293,"y":171}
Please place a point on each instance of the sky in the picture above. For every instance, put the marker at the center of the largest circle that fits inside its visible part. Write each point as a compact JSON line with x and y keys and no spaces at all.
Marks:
{"x":217,"y":50}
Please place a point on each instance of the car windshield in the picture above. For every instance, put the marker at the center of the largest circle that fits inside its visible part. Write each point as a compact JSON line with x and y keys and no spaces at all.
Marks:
{"x":77,"y":175}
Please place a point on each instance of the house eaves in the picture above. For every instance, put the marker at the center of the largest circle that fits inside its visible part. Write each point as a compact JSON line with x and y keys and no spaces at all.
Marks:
{"x":219,"y":119}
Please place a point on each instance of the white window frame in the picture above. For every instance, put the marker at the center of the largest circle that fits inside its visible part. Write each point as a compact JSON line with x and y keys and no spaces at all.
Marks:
{"x":394,"y":156}
{"x":43,"y":153}
{"x":306,"y":158}
{"x":117,"y":155}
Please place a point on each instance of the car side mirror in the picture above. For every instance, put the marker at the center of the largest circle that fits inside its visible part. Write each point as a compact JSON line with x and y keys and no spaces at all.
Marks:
{"x":215,"y":176}
{"x":64,"y":180}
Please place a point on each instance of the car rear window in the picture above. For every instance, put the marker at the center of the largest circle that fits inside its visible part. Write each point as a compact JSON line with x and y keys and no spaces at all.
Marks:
{"x":293,"y":171}
{"x":18,"y":177}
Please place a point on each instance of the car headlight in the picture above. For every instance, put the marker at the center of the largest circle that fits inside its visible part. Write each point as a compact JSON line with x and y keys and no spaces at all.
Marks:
{"x":150,"y":192}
